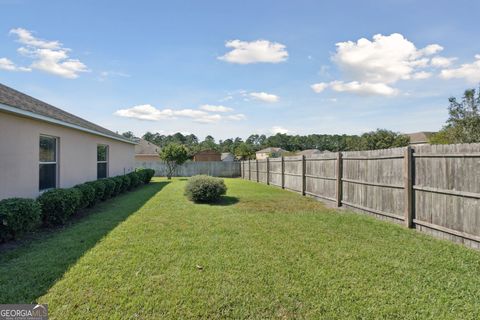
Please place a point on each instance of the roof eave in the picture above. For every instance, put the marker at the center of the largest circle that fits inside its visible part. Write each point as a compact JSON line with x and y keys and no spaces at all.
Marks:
{"x":32,"y":115}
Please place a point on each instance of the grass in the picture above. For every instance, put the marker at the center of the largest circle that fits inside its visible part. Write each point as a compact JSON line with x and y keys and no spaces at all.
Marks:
{"x":263,"y":253}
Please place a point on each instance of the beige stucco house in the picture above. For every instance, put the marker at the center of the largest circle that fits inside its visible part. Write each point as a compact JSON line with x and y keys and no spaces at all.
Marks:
{"x":43,"y":147}
{"x":270,"y":152}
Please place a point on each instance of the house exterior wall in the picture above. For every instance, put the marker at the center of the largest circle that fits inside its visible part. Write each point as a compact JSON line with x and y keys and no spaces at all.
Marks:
{"x":146,"y":157}
{"x":76,"y":155}
{"x":262,"y":155}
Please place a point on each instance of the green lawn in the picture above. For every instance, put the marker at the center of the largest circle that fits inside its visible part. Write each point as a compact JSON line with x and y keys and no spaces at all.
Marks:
{"x":265,"y":253}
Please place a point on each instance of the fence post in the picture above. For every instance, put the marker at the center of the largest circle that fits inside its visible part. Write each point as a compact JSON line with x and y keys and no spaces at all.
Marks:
{"x":304,"y":178}
{"x":256,"y":167}
{"x":408,"y":185}
{"x":268,"y":171}
{"x":283,"y":173}
{"x":249,"y":169}
{"x":339,"y":179}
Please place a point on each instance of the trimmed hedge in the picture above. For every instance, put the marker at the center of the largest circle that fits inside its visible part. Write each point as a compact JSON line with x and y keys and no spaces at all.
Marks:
{"x":59,"y":204}
{"x":146,"y":175}
{"x":118,"y":185}
{"x":134,"y":180}
{"x":99,"y":187}
{"x":204,"y":188}
{"x":109,"y":188}
{"x":54,"y":207}
{"x":88,"y":195}
{"x":126,"y":183}
{"x":17,"y":216}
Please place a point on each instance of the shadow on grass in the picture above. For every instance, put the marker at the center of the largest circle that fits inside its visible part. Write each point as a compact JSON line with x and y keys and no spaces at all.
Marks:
{"x":226,"y":201}
{"x":32,"y":267}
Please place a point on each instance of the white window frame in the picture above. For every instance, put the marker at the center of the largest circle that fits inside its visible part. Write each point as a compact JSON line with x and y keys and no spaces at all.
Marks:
{"x":107,"y":154}
{"x":56,"y":162}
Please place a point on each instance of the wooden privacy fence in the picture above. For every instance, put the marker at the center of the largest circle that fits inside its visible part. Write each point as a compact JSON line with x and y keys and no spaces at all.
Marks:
{"x":435,"y":189}
{"x":191,"y":168}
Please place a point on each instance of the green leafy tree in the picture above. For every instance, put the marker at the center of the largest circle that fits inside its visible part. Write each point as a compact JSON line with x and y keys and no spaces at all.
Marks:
{"x":383,"y":139}
{"x":173,"y":154}
{"x":128,"y":135}
{"x":463,"y":124}
{"x":244,"y":151}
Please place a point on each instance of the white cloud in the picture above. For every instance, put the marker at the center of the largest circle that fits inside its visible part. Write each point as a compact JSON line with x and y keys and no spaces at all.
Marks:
{"x":104,"y":75}
{"x":213,"y":108}
{"x":278,"y":129}
{"x":265,"y":97}
{"x":467,"y":71}
{"x":6,"y":64}
{"x":48,"y":56}
{"x":25,"y":37}
{"x":371,"y":67}
{"x":237,"y":117}
{"x":210,"y":118}
{"x":386,"y":59}
{"x":420,"y":75}
{"x":363,"y":88}
{"x":360,"y":88}
{"x":319,"y":87}
{"x":441,"y":62}
{"x":149,"y":112}
{"x":258,"y":51}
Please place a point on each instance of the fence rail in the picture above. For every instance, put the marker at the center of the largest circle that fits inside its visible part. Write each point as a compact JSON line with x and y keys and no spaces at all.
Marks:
{"x":435,"y":189}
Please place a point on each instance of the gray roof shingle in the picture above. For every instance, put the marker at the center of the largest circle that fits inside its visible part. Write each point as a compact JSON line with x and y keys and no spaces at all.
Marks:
{"x":16,"y":99}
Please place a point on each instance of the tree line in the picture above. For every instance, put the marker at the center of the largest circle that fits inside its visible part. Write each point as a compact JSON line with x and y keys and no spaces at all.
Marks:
{"x":245,"y":149}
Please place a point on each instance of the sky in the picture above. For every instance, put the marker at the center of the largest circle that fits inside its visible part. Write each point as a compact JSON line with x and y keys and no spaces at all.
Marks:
{"x":234,"y":68}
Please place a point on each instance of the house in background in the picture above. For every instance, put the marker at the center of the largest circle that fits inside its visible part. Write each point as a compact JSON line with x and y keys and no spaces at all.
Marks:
{"x":43,"y":147}
{"x":270,"y":152}
{"x":207,"y":155}
{"x":227,"y":156}
{"x":308,"y":152}
{"x":419,"y":138}
{"x":146,"y":151}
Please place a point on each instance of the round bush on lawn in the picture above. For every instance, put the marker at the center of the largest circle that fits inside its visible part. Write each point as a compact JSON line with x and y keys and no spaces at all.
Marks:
{"x":17,"y":216}
{"x":59,"y":204}
{"x":205,"y":189}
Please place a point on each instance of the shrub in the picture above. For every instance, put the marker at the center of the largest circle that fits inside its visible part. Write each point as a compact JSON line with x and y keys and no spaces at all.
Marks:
{"x":126,"y":183}
{"x":59,"y":204}
{"x":146,"y":175}
{"x":99,"y":187}
{"x":134,"y":180}
{"x":17,"y":216}
{"x":118,"y":185}
{"x":109,"y":188}
{"x":203,"y":188}
{"x":88,"y":195}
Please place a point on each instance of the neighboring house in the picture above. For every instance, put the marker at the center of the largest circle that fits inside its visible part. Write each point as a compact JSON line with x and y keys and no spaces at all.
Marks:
{"x":270,"y":152}
{"x":207,"y":155}
{"x":146,"y":151}
{"x":308,"y":152}
{"x":227,"y":156}
{"x":43,"y":147}
{"x":419,"y":138}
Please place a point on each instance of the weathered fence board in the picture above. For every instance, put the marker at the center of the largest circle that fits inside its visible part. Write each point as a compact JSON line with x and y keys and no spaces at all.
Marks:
{"x":435,"y":189}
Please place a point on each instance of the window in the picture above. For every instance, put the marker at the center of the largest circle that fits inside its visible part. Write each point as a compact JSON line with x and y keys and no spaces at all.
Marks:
{"x":47,"y":163}
{"x":102,"y":161}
